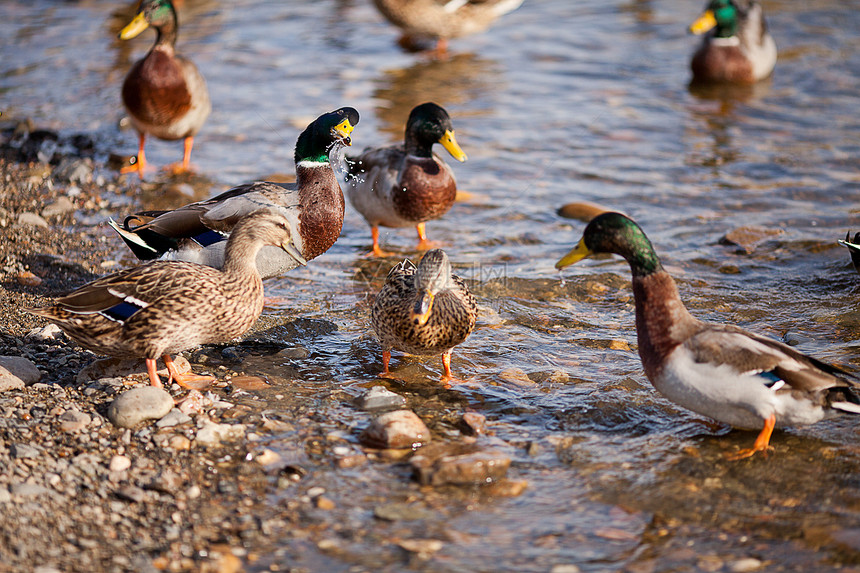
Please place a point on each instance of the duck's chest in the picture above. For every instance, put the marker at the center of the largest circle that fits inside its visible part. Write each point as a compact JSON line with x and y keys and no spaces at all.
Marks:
{"x":155,"y":89}
{"x":426,"y":190}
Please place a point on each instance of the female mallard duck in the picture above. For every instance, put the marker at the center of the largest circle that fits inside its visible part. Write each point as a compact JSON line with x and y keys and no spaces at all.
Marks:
{"x":853,"y":248}
{"x":720,"y":371}
{"x":737,"y":48}
{"x":405,"y":185}
{"x":439,"y":20}
{"x":164,"y":93}
{"x":162,"y":308}
{"x":424,"y":310}
{"x":313,"y":205}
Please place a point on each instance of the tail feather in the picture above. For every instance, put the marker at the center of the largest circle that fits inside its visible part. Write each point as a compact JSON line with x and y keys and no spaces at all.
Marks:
{"x":849,"y":407}
{"x":143,"y":249}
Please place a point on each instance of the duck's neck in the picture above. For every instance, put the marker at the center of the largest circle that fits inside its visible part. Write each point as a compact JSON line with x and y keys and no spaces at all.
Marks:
{"x":662,"y":320}
{"x":166,"y":33}
{"x":240,"y":257}
{"x":415,"y":146}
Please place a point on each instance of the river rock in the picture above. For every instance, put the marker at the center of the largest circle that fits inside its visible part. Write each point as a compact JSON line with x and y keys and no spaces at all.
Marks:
{"x":173,"y":418}
{"x":380,"y":398}
{"x":473,"y":424}
{"x":459,"y":464}
{"x":119,"y":463}
{"x":49,"y":332}
{"x":74,"y":421}
{"x":139,"y":404}
{"x":31,"y":220}
{"x":212,"y":433}
{"x":74,"y":170}
{"x":121,"y":367}
{"x":60,"y":206}
{"x":20,"y":368}
{"x":397,"y":429}
{"x":24,"y":451}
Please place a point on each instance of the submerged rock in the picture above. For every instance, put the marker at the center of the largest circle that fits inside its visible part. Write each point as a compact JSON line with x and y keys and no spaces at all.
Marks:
{"x":380,"y":398}
{"x":138,"y":405}
{"x":397,"y":429}
{"x":459,"y":464}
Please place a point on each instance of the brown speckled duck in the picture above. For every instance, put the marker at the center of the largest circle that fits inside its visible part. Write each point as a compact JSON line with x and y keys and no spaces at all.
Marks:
{"x":737,"y":47}
{"x":162,"y":308}
{"x":439,"y":20}
{"x":406,"y":185}
{"x":423,"y":310}
{"x":164,"y":93}
{"x":717,"y":370}
{"x":314,"y":206}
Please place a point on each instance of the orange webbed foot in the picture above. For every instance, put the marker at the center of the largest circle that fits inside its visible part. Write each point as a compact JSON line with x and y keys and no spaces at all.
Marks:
{"x":760,"y":444}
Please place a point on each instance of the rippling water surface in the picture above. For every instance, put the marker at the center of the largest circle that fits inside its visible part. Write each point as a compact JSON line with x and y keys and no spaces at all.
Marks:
{"x":560,"y":102}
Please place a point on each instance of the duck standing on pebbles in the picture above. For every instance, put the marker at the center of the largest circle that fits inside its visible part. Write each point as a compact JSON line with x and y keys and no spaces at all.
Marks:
{"x":408,"y":184}
{"x":314,"y":205}
{"x":164,"y":93}
{"x":439,"y":20}
{"x":424,"y":310}
{"x":737,"y":47}
{"x":166,"y":307}
{"x":717,"y":370}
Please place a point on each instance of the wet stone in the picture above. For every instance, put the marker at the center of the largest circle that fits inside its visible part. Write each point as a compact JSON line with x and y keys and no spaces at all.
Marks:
{"x":459,"y":464}
{"x":231,"y":353}
{"x":174,"y":417}
{"x":21,"y":368}
{"x":473,"y":424}
{"x":139,"y":404}
{"x":380,"y":398}
{"x":60,"y":206}
{"x":401,"y":512}
{"x":74,"y":170}
{"x":212,"y":433}
{"x":296,"y":353}
{"x":398,"y":429}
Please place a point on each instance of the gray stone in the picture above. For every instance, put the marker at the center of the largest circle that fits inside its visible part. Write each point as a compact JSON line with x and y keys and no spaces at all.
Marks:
{"x":24,"y":451}
{"x":296,"y":353}
{"x":139,"y":404}
{"x":74,"y":170}
{"x":459,"y":464}
{"x":397,"y":511}
{"x":131,"y":493}
{"x":21,"y":368}
{"x":49,"y":332}
{"x":60,"y":206}
{"x":473,"y":424}
{"x":397,"y":429}
{"x":32,"y":220}
{"x":211,"y":433}
{"x":74,"y":421}
{"x":380,"y":398}
{"x":173,"y":418}
{"x":28,"y":490}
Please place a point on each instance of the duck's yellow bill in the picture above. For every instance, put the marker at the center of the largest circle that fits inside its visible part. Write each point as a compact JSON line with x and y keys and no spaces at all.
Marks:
{"x":703,"y":23}
{"x":449,"y":142}
{"x":344,"y":129}
{"x":135,"y":27}
{"x":577,"y":254}
{"x":421,"y":312}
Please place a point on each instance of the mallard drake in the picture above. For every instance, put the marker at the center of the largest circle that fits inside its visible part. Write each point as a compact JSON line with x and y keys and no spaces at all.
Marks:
{"x":737,"y":47}
{"x":439,"y":20}
{"x":717,"y":370}
{"x":314,"y":206}
{"x":853,"y":248}
{"x":424,"y":310}
{"x":165,"y":307}
{"x":408,"y":184}
{"x":164,"y":93}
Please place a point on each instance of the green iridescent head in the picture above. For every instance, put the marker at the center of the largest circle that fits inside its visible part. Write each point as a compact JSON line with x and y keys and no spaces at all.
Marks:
{"x":722,"y":16}
{"x":326,"y":131}
{"x":159,"y":14}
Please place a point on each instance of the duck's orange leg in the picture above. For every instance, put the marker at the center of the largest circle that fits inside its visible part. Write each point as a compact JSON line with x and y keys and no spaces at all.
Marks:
{"x":140,"y":164}
{"x":376,"y":251}
{"x":386,"y":358}
{"x":189,"y":380}
{"x":424,"y":244}
{"x":761,"y":442}
{"x":185,"y":166}
{"x":152,"y":370}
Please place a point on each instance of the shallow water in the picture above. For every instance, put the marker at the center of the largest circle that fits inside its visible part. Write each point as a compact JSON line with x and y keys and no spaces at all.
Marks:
{"x":561,"y":101}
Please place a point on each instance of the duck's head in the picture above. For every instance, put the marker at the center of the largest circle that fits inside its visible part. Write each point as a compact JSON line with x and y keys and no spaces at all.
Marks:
{"x":720,"y":15}
{"x":618,"y":234}
{"x":159,"y":14}
{"x":429,"y":123}
{"x":265,"y":227}
{"x":432,"y":276}
{"x":326,"y":131}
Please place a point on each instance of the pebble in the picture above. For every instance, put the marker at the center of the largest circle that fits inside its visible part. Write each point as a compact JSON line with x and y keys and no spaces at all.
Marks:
{"x":131,"y":493}
{"x":397,"y":429}
{"x":179,"y":443}
{"x":119,"y":463}
{"x":212,"y":433}
{"x":74,"y":170}
{"x":49,"y":332}
{"x":28,"y":279}
{"x":398,"y":511}
{"x":139,"y":404}
{"x":379,"y":398}
{"x":24,"y":451}
{"x":745,"y":565}
{"x":459,"y":464}
{"x":28,"y":490}
{"x":5,"y":496}
{"x":174,"y":417}
{"x":20,"y":368}
{"x":473,"y":424}
{"x":424,"y":548}
{"x":74,"y":421}
{"x":296,"y":353}
{"x":516,"y":377}
{"x":566,"y":568}
{"x":60,"y":206}
{"x":32,"y":220}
